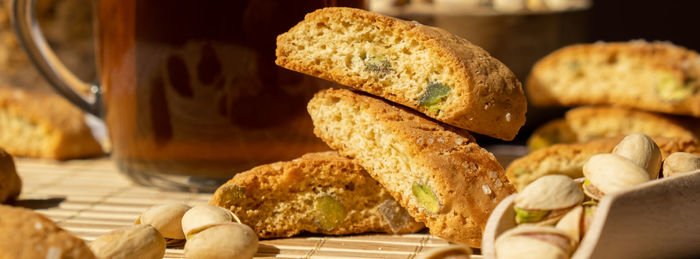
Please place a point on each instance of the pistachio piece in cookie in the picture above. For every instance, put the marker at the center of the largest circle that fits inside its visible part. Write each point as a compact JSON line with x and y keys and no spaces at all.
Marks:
{"x":547,"y":199}
{"x":377,"y":64}
{"x":426,"y":197}
{"x":434,"y":96}
{"x":670,"y":89}
{"x":329,"y":211}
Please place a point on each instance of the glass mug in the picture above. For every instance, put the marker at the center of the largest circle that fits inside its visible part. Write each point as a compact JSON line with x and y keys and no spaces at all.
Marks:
{"x":189,"y":89}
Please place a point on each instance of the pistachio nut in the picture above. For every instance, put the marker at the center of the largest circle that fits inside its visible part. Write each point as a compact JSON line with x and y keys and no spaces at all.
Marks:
{"x":223,"y":240}
{"x":166,"y":219}
{"x":547,"y":198}
{"x":606,"y":173}
{"x":136,"y":241}
{"x":200,"y":216}
{"x":642,"y":150}
{"x":425,"y":197}
{"x":571,"y":223}
{"x":451,"y":252}
{"x":529,"y":241}
{"x":680,"y":162}
{"x":329,"y":212}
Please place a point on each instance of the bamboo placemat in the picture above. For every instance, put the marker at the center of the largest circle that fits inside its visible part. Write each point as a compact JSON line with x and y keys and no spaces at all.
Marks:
{"x":90,"y":198}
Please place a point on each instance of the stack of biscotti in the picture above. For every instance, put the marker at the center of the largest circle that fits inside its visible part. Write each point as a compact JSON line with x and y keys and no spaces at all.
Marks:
{"x":421,"y":88}
{"x":625,"y":88}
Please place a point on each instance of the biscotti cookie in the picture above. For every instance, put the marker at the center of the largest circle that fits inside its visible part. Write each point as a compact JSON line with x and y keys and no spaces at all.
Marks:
{"x":438,"y":173}
{"x":422,"y":67}
{"x":38,"y":124}
{"x":319,"y":193}
{"x":25,"y":234}
{"x":593,"y":122}
{"x":568,"y":159}
{"x":10,"y":183}
{"x":656,"y":76}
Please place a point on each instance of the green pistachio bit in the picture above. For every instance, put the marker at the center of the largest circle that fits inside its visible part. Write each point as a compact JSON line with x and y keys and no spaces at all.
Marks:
{"x":329,"y":212}
{"x":426,"y":197}
{"x":520,"y":171}
{"x":529,"y":216}
{"x":590,"y":203}
{"x":378,"y":64}
{"x":586,"y":182}
{"x":434,"y":95}
{"x":233,"y":193}
{"x":670,"y":89}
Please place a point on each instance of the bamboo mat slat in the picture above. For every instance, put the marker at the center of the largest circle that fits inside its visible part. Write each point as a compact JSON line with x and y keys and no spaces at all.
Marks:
{"x":90,"y":198}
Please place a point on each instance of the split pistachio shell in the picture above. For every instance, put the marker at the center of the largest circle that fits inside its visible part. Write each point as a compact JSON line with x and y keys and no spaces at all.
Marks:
{"x":451,"y":251}
{"x":223,"y":240}
{"x":137,"y":241}
{"x":642,"y":150}
{"x":571,"y":223}
{"x":200,"y":216}
{"x":527,"y":241}
{"x":166,"y":219}
{"x":550,"y":192}
{"x":610,"y":173}
{"x":589,"y":209}
{"x":680,"y":162}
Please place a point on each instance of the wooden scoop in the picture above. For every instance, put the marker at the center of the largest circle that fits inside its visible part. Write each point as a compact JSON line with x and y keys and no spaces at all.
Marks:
{"x":657,"y":219}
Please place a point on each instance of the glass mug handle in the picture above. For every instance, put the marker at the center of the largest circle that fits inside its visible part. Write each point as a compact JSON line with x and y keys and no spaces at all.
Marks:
{"x":45,"y":60}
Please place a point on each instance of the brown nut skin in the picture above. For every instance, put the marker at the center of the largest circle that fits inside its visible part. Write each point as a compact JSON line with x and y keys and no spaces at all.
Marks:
{"x":166,"y":219}
{"x":643,"y":151}
{"x":223,"y":240}
{"x":137,"y":241}
{"x":680,"y":162}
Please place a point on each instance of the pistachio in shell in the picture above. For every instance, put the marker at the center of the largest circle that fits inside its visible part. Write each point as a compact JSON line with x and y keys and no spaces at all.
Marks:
{"x":136,"y":241}
{"x":643,"y":151}
{"x":529,"y":241}
{"x":546,"y":197}
{"x":223,"y":240}
{"x":680,"y":162}
{"x":200,"y":216}
{"x":166,"y":218}
{"x":571,"y":223}
{"x":607,"y":173}
{"x":451,"y":252}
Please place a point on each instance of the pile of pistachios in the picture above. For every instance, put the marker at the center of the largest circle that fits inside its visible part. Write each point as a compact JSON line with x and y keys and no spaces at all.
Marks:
{"x":554,"y":212}
{"x":209,"y":231}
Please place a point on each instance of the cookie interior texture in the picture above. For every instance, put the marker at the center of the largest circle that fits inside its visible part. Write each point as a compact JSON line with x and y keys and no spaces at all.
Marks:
{"x":422,"y":67}
{"x":568,"y":159}
{"x":588,"y":123}
{"x":438,"y":173}
{"x":319,"y":193}
{"x":653,"y":76}
{"x":38,"y":124}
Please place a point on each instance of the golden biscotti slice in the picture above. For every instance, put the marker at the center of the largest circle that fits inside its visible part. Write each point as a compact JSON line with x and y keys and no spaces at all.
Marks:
{"x":319,"y":193}
{"x":38,"y":124}
{"x":422,"y":67}
{"x":568,"y":159}
{"x":652,"y":76}
{"x":438,"y":173}
{"x":553,"y":132}
{"x":593,"y":122}
{"x":25,"y":234}
{"x":10,"y":183}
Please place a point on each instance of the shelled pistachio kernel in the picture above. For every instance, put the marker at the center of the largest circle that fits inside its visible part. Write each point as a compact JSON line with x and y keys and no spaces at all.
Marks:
{"x":136,"y":241}
{"x":670,"y":89}
{"x":543,"y":196}
{"x":426,"y":197}
{"x":223,"y":240}
{"x":377,"y":63}
{"x":529,"y":241}
{"x":680,"y":162}
{"x":434,"y":96}
{"x":166,"y":218}
{"x":606,"y":173}
{"x":329,"y":212}
{"x":642,"y":150}
{"x":198,"y":217}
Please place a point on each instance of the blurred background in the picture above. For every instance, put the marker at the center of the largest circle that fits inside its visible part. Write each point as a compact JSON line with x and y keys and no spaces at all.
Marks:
{"x":516,"y":32}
